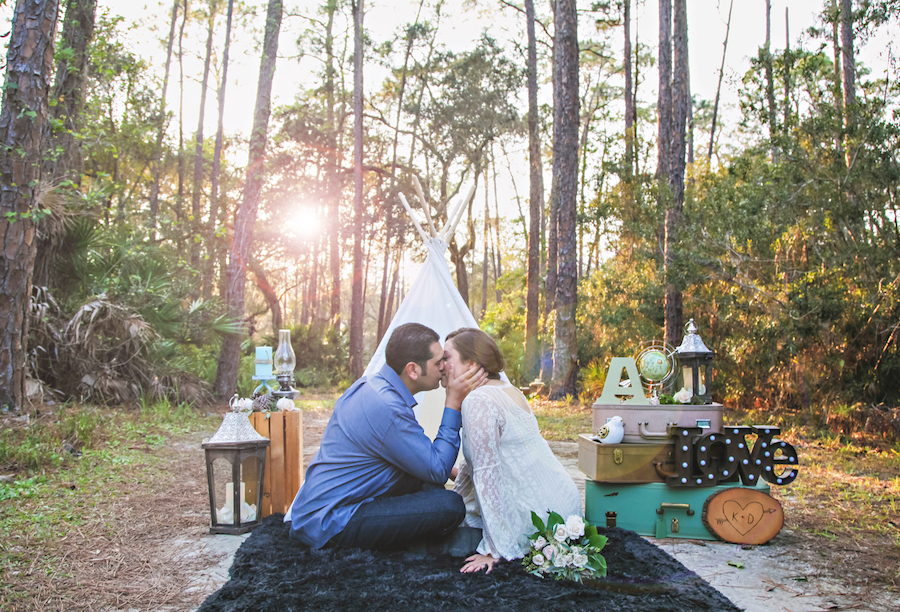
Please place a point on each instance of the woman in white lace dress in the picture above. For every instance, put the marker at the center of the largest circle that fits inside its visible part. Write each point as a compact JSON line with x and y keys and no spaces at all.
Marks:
{"x":508,"y":468}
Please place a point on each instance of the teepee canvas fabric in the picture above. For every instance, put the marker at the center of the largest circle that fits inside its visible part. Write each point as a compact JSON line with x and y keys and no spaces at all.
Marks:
{"x":433,"y":300}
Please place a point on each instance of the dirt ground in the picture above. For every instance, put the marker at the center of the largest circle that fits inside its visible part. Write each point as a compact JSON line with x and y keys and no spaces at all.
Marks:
{"x":151,"y":550}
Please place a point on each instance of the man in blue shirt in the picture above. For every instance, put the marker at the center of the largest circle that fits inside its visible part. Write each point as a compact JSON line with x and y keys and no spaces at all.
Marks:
{"x":377,"y":479}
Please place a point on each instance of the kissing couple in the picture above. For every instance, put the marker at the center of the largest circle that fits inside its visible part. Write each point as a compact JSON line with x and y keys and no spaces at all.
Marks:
{"x":378,"y":482}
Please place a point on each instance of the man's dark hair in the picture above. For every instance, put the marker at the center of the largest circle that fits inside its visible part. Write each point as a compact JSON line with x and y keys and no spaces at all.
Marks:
{"x":410,"y":342}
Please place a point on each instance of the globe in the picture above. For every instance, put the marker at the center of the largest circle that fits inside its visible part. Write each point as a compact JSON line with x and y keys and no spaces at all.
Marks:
{"x":654,"y":365}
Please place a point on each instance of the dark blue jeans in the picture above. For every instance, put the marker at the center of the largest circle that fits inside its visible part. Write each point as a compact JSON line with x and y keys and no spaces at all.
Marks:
{"x":398,"y":518}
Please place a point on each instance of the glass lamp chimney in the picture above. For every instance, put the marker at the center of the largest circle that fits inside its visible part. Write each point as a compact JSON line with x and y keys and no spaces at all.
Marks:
{"x":284,"y":357}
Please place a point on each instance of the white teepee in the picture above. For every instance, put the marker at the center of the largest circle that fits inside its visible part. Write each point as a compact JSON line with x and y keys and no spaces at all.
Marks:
{"x":433,"y":300}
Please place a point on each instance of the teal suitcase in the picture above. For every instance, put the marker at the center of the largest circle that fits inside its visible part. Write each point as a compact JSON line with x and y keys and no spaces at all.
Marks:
{"x":652,"y":509}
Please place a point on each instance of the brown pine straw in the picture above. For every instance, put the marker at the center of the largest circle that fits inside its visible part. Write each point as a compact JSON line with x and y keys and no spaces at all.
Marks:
{"x":142,"y":551}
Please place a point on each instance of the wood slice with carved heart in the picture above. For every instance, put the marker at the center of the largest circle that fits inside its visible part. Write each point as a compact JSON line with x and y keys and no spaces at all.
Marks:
{"x":743,"y":516}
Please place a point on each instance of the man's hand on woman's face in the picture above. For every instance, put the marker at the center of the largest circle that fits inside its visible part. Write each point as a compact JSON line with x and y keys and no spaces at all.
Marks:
{"x":459,"y":386}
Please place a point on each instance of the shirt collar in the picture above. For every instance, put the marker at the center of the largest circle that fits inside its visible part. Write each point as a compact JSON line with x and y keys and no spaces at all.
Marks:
{"x":393,"y":379}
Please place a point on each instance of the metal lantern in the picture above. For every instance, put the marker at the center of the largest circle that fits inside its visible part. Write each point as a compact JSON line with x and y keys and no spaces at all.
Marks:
{"x":696,"y":364}
{"x":235,"y":454}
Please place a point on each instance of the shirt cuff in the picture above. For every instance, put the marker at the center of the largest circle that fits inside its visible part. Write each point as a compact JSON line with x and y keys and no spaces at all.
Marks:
{"x":452,"y":418}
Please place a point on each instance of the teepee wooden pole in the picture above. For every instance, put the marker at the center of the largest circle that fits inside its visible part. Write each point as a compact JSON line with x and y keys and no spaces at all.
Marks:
{"x":450,"y":228}
{"x":413,"y":217}
{"x":451,"y":214}
{"x":424,"y":205}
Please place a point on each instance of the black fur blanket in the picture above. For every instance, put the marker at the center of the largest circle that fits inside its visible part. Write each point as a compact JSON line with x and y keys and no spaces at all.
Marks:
{"x":272,"y":573}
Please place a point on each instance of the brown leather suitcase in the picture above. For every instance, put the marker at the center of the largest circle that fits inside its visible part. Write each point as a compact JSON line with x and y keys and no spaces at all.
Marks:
{"x":624,"y":463}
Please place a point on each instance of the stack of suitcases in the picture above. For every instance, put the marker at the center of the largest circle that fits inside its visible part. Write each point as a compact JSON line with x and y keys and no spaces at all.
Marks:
{"x":678,"y":472}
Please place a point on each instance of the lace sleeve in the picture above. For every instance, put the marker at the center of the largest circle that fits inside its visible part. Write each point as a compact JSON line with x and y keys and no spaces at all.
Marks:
{"x":484,"y":421}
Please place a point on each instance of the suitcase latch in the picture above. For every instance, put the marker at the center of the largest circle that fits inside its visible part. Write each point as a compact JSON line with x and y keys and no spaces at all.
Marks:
{"x":611,"y":518}
{"x":674,"y":525}
{"x":618,"y":456}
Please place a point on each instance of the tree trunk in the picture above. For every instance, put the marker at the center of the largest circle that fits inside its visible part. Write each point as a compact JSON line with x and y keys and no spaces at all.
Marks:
{"x":498,"y":270}
{"x":313,"y":299}
{"x":62,"y":157}
{"x":838,"y":86}
{"x":565,"y":172}
{"x":161,"y":127}
{"x":715,"y":113}
{"x":592,"y":106}
{"x":532,"y":365}
{"x":636,"y":64}
{"x":484,"y":259}
{"x":383,"y":316}
{"x":332,"y":179}
{"x":24,"y":112}
{"x":304,"y":311}
{"x":245,"y":217}
{"x":788,"y":64}
{"x":211,"y":239}
{"x":389,"y":309}
{"x":382,"y":301}
{"x":664,"y":129}
{"x":680,"y":101}
{"x":770,"y":80}
{"x":196,"y":224}
{"x":849,"y":65}
{"x":356,"y":306}
{"x":179,"y":194}
{"x":269,"y":294}
{"x":664,"y":102}
{"x":458,"y":253}
{"x":689,"y":102}
{"x":629,"y":99}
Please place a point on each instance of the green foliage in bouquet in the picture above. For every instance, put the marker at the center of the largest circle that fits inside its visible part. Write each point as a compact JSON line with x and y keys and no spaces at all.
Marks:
{"x":565,"y":549}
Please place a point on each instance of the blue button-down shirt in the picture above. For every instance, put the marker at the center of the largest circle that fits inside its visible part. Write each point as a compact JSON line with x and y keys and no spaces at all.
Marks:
{"x":370,"y":444}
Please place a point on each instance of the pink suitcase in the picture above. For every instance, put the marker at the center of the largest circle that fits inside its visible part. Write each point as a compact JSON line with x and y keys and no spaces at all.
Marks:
{"x":646,"y":424}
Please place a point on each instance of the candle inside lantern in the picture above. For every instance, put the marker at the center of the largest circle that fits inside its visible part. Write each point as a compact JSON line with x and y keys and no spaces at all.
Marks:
{"x":688,"y":378}
{"x":226,"y":513}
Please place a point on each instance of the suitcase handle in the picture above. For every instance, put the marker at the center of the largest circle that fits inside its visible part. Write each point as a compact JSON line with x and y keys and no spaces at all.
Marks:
{"x":662,"y":473}
{"x":652,"y":435}
{"x":667,"y":506}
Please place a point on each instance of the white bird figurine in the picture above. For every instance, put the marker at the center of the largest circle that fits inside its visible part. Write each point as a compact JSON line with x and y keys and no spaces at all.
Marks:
{"x":612,"y":432}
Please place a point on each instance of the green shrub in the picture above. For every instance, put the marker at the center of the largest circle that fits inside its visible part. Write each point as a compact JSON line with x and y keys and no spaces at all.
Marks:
{"x":76,"y":426}
{"x":32,"y":448}
{"x":505,"y":323}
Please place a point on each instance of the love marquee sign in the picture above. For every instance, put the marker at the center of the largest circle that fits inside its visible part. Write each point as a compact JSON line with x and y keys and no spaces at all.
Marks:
{"x":719,"y":457}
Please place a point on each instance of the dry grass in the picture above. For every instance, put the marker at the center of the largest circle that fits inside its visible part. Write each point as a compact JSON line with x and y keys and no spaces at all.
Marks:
{"x":561,"y":420}
{"x":102,"y":533}
{"x":844,"y":507}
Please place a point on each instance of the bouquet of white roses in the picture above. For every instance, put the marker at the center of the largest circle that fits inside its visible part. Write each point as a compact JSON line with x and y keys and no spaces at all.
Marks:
{"x":567,"y":549}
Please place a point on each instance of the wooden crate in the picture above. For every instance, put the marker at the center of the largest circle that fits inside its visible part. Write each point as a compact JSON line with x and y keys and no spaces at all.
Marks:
{"x":284,"y":458}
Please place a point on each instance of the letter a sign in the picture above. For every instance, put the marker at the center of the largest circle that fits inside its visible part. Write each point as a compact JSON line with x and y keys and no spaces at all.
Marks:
{"x":612,"y":388}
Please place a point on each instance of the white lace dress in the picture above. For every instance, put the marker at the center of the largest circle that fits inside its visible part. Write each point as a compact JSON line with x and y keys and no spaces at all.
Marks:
{"x":508,"y":470}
